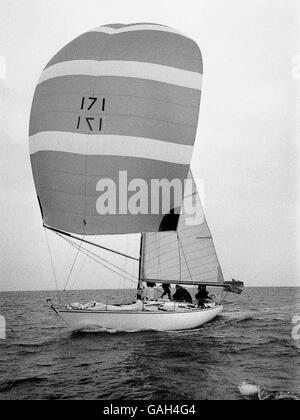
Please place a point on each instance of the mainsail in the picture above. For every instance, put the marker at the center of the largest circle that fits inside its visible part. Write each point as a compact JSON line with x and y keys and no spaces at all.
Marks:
{"x":187,"y":256}
{"x":119,"y":98}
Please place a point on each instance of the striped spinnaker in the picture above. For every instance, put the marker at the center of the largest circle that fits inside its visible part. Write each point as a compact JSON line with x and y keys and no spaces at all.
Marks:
{"x":116,"y":98}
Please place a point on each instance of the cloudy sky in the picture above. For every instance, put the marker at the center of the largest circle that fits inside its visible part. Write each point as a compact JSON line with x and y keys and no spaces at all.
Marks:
{"x":246,"y":146}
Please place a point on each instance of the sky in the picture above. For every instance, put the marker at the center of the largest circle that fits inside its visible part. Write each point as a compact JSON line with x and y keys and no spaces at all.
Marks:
{"x":246,"y":146}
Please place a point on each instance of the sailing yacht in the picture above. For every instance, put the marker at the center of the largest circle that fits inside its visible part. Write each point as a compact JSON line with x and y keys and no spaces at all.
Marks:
{"x":119,"y":105}
{"x":186,"y":256}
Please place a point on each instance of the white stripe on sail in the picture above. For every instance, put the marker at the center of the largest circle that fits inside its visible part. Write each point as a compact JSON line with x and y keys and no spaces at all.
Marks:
{"x":110,"y":145}
{"x":145,"y":27}
{"x":136,"y":69}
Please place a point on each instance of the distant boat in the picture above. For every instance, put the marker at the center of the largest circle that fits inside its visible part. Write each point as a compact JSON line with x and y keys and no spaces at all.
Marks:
{"x":235,"y":286}
{"x":124,"y":99}
{"x":234,"y":282}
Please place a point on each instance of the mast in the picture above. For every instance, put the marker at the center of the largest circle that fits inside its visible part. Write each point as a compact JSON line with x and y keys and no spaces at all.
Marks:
{"x":140,"y":281}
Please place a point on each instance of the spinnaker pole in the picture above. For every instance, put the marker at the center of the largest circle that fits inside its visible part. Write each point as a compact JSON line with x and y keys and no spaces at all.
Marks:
{"x":61,"y":232}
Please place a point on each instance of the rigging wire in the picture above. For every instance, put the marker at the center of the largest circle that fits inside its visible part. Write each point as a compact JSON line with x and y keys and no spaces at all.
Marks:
{"x":125,"y":266}
{"x":86,"y":252}
{"x":88,"y":242}
{"x":77,"y":275}
{"x":158,"y":248}
{"x":185,"y":259}
{"x":52,"y":264}
{"x":98,"y":256}
{"x":179,"y":254}
{"x":73,"y":265}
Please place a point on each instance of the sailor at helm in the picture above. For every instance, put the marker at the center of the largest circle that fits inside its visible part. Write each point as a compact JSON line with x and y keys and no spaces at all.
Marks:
{"x":202,"y":296}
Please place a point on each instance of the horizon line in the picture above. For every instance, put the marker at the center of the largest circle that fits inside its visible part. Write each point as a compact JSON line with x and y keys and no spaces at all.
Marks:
{"x":133,"y":288}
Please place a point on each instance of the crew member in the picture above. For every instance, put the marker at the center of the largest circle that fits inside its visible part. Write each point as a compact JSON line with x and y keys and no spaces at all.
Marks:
{"x":202,"y":296}
{"x":182,"y":295}
{"x":167,"y":290}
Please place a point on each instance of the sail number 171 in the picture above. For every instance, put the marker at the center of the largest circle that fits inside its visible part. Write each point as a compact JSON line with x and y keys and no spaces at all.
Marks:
{"x":92,"y":122}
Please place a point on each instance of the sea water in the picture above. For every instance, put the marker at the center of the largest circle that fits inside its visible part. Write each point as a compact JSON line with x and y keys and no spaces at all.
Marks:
{"x":41,"y":358}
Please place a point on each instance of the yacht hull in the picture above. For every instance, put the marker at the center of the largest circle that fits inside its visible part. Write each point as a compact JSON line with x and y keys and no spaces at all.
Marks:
{"x":138,"y":320}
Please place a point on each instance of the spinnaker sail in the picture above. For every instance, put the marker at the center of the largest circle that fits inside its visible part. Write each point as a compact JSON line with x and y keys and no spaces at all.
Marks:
{"x":117,"y":99}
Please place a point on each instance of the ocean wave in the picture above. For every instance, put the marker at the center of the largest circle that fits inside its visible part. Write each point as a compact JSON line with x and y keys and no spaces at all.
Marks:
{"x":30,"y":345}
{"x":237,"y":317}
{"x":102,"y":330}
{"x":9,"y":384}
{"x":44,"y":364}
{"x":176,"y":354}
{"x":37,"y":344}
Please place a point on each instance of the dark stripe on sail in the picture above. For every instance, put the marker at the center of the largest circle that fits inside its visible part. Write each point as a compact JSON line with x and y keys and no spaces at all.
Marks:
{"x":101,"y":225}
{"x":115,"y":105}
{"x":121,"y":86}
{"x":158,"y":47}
{"x":105,"y":166}
{"x":113,"y":125}
{"x":68,"y":194}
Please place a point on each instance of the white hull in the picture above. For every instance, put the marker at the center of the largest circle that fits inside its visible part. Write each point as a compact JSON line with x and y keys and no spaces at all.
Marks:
{"x":138,"y":320}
